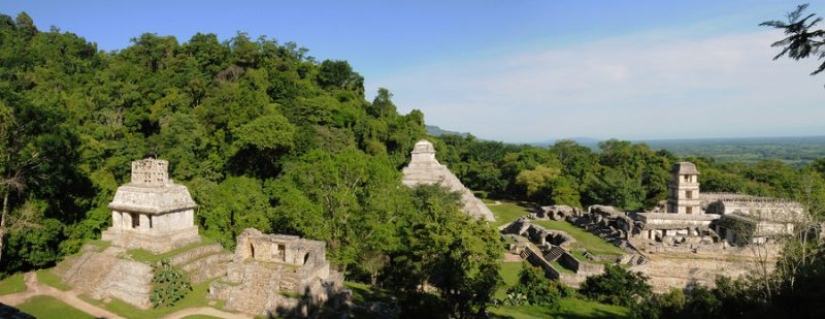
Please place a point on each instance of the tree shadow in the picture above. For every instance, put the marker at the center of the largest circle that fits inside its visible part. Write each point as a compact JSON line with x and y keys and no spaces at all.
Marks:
{"x":10,"y":312}
{"x":309,"y":306}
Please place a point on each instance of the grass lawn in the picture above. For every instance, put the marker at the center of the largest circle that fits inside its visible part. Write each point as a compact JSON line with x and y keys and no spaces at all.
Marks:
{"x":568,"y":308}
{"x":46,"y":276}
{"x":509,"y":272}
{"x":584,"y":239}
{"x":200,"y":317}
{"x":50,"y":307}
{"x":12,"y":284}
{"x":195,"y":298}
{"x":506,"y":211}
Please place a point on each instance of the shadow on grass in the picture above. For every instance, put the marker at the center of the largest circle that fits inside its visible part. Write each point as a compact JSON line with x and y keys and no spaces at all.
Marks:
{"x":7,"y":311}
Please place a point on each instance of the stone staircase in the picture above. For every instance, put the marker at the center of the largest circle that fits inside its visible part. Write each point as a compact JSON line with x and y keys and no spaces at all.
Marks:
{"x":130,"y":281}
{"x":88,"y":271}
{"x":525,"y":254}
{"x":636,"y":260}
{"x":554,"y":253}
{"x":203,"y":263}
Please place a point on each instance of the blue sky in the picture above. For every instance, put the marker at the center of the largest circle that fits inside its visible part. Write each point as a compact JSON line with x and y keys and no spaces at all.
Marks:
{"x":518,"y":71}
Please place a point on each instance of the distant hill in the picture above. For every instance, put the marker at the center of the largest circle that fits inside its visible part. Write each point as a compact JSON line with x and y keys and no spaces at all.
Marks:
{"x":584,"y":141}
{"x":437,"y":131}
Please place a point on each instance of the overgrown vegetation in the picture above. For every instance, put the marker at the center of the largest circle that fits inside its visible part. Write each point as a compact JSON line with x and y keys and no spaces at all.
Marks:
{"x":169,"y":285}
{"x":616,"y":286}
{"x":534,"y":288}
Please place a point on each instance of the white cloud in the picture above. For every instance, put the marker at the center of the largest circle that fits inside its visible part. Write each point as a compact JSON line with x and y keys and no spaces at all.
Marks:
{"x":652,"y":85}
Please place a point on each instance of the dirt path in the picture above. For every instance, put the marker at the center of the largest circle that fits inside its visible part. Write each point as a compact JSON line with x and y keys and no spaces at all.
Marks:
{"x":206,"y":311}
{"x":35,"y":288}
{"x":509,"y":258}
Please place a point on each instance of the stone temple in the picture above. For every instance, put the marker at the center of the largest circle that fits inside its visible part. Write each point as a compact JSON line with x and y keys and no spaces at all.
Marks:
{"x":151,"y":212}
{"x":267,"y":274}
{"x":425,"y":169}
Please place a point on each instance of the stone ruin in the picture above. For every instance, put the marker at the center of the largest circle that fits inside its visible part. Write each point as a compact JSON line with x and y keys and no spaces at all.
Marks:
{"x":715,"y":221}
{"x":269,"y":273}
{"x":557,"y":212}
{"x":151,"y":212}
{"x":424,"y":168}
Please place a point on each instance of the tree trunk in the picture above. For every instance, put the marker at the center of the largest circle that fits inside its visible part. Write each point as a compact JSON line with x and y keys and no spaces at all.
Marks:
{"x":3,"y":222}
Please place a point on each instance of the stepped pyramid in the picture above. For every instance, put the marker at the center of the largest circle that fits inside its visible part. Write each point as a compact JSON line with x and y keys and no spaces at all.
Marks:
{"x":425,"y":169}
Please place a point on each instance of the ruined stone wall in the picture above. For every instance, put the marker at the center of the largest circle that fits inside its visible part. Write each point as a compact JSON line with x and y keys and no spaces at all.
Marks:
{"x":310,"y":254}
{"x":535,"y":259}
{"x":678,"y":272}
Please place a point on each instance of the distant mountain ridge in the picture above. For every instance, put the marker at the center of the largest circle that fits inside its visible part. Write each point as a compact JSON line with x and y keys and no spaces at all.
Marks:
{"x":437,"y":131}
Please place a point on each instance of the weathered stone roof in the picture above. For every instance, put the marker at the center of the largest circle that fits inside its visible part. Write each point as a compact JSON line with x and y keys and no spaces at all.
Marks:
{"x":151,"y":191}
{"x":684,"y":168}
{"x":425,"y":169}
{"x":152,"y":200}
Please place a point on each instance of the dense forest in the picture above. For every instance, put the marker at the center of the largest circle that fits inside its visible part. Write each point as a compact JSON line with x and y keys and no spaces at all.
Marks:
{"x":266,"y":136}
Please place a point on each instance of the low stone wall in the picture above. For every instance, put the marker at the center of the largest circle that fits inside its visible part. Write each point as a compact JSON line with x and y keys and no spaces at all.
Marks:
{"x":579,"y":267}
{"x":535,"y":259}
{"x":195,"y":253}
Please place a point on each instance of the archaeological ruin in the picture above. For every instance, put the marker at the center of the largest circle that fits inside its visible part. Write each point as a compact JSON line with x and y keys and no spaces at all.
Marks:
{"x":690,"y":237}
{"x":267,"y":274}
{"x":424,"y":168}
{"x":151,"y":212}
{"x":268,"y":268}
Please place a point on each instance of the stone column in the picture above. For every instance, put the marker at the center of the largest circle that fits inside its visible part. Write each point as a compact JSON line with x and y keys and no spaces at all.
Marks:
{"x":117,"y":220}
{"x":127,"y":221}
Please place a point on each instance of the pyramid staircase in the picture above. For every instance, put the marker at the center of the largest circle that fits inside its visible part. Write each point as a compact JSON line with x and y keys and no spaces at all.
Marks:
{"x":203,"y":263}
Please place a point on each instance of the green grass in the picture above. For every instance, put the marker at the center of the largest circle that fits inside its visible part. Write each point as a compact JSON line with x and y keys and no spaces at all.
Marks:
{"x":509,"y":272}
{"x":568,"y":308}
{"x":46,"y":277}
{"x":584,"y":239}
{"x":152,"y":258}
{"x":506,"y":212}
{"x":195,"y":298}
{"x":13,"y":284}
{"x":101,"y":244}
{"x":200,"y":317}
{"x":50,"y":307}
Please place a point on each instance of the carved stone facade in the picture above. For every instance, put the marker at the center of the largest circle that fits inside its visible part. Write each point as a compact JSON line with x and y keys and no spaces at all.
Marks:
{"x":425,"y":169}
{"x":152,"y":212}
